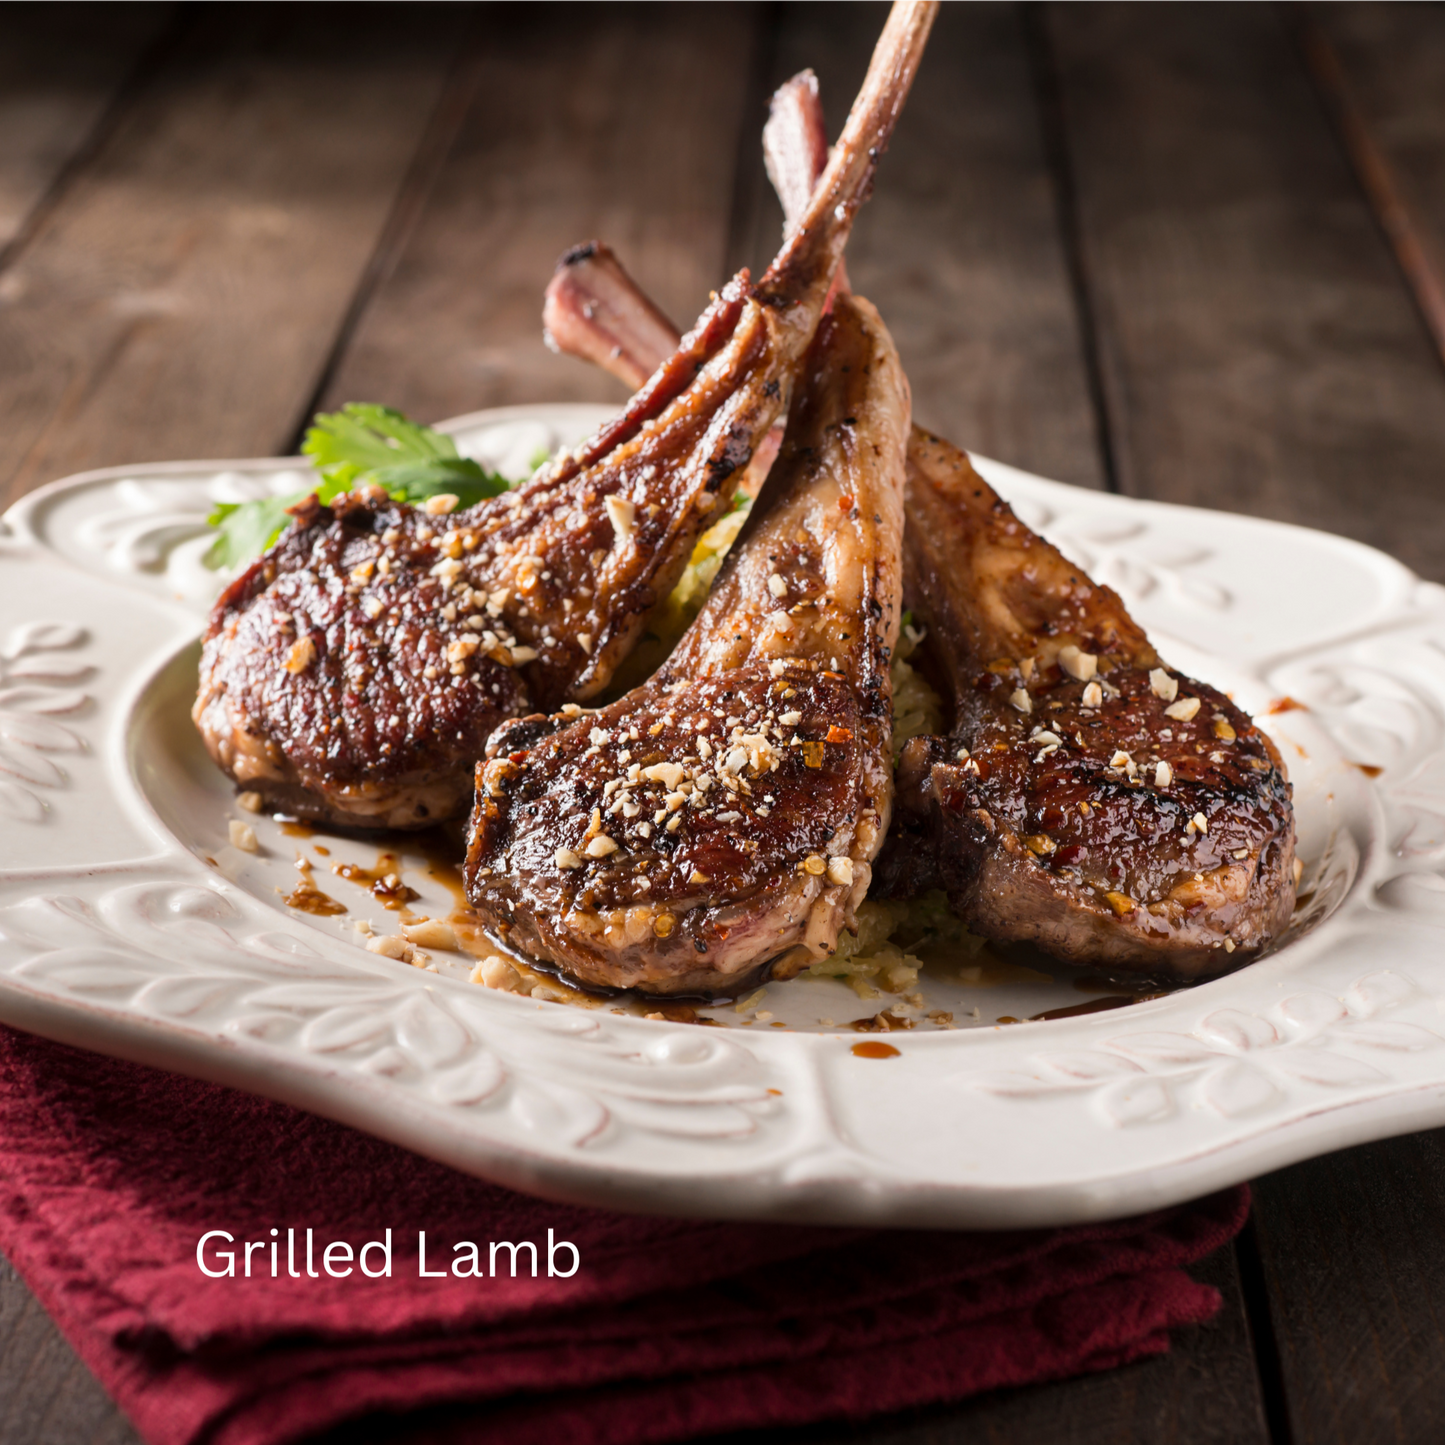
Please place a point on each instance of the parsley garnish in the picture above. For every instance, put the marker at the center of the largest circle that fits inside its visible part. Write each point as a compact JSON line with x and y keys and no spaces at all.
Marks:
{"x":362,"y":444}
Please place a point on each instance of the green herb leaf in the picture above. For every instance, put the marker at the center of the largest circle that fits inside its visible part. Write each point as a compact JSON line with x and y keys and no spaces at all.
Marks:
{"x":245,"y":529}
{"x":360,"y":444}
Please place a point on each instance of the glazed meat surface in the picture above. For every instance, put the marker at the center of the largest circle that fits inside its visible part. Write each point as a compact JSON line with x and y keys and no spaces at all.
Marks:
{"x":1088,"y":799}
{"x":723,"y":817}
{"x":1131,"y":819}
{"x":351,"y":672}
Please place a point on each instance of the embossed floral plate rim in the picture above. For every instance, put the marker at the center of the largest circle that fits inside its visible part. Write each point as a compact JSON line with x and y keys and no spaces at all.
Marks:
{"x":116,"y":936}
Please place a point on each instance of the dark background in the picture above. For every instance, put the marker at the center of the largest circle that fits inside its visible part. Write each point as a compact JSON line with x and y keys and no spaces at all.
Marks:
{"x":1186,"y":252}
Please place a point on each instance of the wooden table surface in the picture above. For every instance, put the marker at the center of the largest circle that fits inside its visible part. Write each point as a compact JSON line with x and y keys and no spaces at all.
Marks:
{"x":1187,"y":252}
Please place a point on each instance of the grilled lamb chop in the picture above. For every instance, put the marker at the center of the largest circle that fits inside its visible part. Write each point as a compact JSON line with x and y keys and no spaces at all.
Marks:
{"x":724,"y":816}
{"x":353,"y":673}
{"x":1088,"y":800}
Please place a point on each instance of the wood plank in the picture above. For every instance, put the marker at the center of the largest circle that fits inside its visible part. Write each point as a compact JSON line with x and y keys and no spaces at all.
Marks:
{"x":182,"y":297}
{"x":47,"y":1397}
{"x":1351,"y":1251}
{"x":618,"y":122}
{"x":1258,"y":350}
{"x":960,"y":244}
{"x":1381,"y":70}
{"x":61,"y":68}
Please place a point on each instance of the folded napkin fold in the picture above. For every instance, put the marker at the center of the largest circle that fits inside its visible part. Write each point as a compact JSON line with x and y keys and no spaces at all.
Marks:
{"x":110,"y":1174}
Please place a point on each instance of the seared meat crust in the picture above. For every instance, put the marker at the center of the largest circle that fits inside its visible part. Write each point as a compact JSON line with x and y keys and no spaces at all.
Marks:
{"x":671,"y":911}
{"x":723,"y":817}
{"x":335,"y":696}
{"x":1088,"y":800}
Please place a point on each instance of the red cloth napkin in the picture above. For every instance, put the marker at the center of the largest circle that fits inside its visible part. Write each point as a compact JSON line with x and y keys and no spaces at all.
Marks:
{"x":110,"y":1173}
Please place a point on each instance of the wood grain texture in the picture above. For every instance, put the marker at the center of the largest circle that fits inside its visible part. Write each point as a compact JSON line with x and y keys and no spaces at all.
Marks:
{"x":1381,"y":69}
{"x":618,"y":122}
{"x":1351,"y":1250}
{"x":181,"y":298}
{"x":1258,"y":350}
{"x":47,"y":1397}
{"x":959,"y":246}
{"x":61,"y":67}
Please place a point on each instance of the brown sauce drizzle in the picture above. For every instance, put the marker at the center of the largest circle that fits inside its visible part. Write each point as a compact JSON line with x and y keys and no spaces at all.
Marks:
{"x":1285,"y":704}
{"x":307,"y":898}
{"x":1369,"y":769}
{"x":871,"y":1049}
{"x":384,"y":880}
{"x":1093,"y":1006}
{"x":293,"y":829}
{"x":881,"y":1023}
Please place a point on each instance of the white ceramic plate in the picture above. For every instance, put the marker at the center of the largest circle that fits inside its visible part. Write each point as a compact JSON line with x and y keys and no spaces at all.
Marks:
{"x":129,"y":925}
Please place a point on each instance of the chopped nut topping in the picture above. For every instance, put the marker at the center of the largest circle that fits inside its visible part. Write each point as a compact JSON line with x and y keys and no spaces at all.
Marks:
{"x":1183,"y":710}
{"x":698,"y":877}
{"x":791,"y":719}
{"x":777,"y":586}
{"x":621,"y":513}
{"x":441,"y":504}
{"x":1081,"y":665}
{"x":669,"y":774}
{"x":243,"y":836}
{"x":1200,"y":822}
{"x":1121,"y":903}
{"x":1021,"y":700}
{"x":1163,"y":775}
{"x":391,"y":945}
{"x":1093,"y":695}
{"x":840,"y":871}
{"x":1162,"y":685}
{"x":251,"y":802}
{"x":1223,"y":731}
{"x":1041,"y":844}
{"x":495,"y":972}
{"x":584,"y":641}
{"x":373,"y":607}
{"x":301,"y":656}
{"x":601,"y":846}
{"x":566,"y":858}
{"x":430,"y":933}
